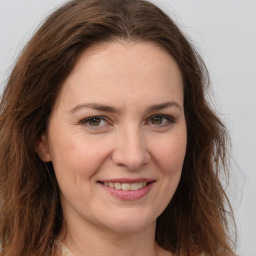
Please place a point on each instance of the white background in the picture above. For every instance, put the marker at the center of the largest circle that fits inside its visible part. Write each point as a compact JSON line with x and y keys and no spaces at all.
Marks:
{"x":225,"y":33}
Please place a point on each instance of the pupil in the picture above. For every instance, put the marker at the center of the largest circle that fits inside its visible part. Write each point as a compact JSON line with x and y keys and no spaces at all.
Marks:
{"x":157,"y":120}
{"x":94,"y":121}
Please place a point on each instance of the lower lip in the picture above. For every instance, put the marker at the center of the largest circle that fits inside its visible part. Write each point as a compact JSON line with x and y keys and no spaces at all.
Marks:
{"x":128,"y":195}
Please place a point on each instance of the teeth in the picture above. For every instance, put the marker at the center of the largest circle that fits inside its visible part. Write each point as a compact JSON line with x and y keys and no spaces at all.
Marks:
{"x":135,"y":186}
{"x":118,"y":185}
{"x":111,"y":184}
{"x":126,"y":186}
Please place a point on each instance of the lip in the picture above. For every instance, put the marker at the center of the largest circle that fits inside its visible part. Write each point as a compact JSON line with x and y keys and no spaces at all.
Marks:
{"x":127,"y":180}
{"x":128,"y":195}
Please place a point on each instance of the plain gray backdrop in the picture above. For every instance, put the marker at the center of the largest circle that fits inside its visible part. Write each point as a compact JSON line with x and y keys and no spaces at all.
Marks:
{"x":224,"y":31}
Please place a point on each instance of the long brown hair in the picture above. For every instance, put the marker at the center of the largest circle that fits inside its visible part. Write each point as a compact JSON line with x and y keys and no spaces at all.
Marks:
{"x":196,"y":219}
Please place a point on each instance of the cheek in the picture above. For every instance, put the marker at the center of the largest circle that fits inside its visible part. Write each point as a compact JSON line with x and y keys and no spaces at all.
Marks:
{"x":78,"y":155}
{"x":170,"y":154}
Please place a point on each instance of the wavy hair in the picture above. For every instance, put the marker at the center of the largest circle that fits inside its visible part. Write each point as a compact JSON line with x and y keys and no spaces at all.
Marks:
{"x":197,"y":218}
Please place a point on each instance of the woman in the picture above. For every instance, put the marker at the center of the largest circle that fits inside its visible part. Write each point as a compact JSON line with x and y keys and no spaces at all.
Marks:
{"x":108,"y":146}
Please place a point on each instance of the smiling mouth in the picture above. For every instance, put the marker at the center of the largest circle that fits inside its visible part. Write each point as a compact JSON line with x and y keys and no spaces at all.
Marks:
{"x":126,"y":186}
{"x":127,"y":189}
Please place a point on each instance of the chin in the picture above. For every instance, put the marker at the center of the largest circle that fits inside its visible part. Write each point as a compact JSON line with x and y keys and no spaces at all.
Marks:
{"x":127,"y":222}
{"x":130,"y":227}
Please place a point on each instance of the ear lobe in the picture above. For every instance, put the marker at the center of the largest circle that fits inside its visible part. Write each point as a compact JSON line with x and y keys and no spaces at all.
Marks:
{"x":42,"y":148}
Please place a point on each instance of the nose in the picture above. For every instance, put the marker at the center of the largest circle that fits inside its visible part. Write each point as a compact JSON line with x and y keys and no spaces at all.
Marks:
{"x":130,"y":150}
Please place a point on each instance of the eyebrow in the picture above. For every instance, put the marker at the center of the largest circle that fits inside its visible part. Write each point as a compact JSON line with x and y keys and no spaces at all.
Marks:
{"x":161,"y":106}
{"x":110,"y":109}
{"x":95,"y":106}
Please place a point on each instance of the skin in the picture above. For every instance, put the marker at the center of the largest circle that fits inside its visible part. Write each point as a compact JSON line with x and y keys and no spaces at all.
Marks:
{"x":128,"y":139}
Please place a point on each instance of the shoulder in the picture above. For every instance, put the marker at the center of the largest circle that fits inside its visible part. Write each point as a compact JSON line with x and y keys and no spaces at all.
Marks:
{"x":62,"y":250}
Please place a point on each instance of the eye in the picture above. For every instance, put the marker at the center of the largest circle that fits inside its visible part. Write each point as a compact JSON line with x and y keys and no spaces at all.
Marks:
{"x":161,"y":120}
{"x":157,"y":120}
{"x":94,"y":121}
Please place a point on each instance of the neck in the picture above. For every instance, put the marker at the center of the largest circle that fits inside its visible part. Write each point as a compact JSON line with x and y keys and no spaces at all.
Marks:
{"x":91,"y":240}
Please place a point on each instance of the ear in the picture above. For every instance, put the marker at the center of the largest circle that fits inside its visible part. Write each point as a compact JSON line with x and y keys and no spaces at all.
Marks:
{"x":42,"y":148}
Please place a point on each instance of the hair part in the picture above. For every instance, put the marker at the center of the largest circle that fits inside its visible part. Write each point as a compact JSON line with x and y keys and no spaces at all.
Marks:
{"x":196,"y":219}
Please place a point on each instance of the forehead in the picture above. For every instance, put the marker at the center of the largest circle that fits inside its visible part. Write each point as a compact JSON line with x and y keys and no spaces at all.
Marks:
{"x":127,"y":56}
{"x":116,"y":70}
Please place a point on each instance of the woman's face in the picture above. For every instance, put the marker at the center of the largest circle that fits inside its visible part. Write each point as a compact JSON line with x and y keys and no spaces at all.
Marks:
{"x":117,"y":136}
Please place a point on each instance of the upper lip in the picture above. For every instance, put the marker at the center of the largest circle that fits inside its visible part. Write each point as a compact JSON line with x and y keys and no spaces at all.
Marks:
{"x":127,"y":180}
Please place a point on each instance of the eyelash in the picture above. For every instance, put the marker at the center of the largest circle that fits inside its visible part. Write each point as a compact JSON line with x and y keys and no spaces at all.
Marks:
{"x":87,"y":120}
{"x":169,"y":119}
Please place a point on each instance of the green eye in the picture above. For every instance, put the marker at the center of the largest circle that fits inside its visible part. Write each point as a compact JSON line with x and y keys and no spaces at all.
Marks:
{"x":157,"y":120}
{"x":95,"y":121}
